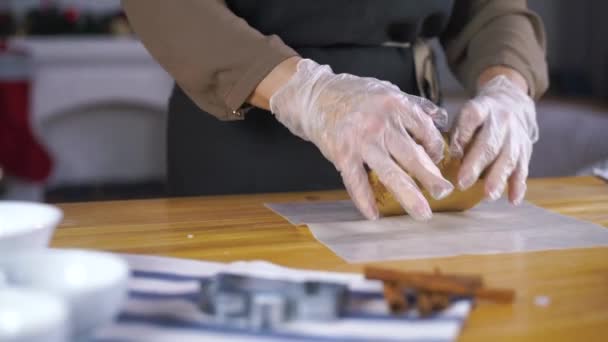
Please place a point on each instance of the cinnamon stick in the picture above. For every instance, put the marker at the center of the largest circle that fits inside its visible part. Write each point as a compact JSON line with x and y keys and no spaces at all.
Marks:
{"x":439,"y":301}
{"x":395,"y":298}
{"x":424,"y":303}
{"x":433,"y":279}
{"x":445,"y":284}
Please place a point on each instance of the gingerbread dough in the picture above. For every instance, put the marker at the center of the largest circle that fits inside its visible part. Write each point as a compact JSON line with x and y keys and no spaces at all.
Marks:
{"x":456,"y":201}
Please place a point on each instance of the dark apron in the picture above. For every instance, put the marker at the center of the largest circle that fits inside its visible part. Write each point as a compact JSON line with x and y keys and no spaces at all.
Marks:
{"x":258,"y":154}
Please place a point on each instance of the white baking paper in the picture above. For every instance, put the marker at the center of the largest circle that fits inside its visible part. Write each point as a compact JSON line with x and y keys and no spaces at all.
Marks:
{"x":490,"y":228}
{"x":601,"y":172}
{"x":298,"y":213}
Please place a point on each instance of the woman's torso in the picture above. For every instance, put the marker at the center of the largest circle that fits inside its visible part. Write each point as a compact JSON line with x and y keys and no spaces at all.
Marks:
{"x":258,"y":154}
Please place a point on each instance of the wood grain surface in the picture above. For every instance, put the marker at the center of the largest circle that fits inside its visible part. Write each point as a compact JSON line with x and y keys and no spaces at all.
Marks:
{"x":229,"y":228}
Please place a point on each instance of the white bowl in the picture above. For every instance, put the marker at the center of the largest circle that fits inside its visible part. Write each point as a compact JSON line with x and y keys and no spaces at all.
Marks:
{"x":32,"y":316}
{"x":26,"y":225}
{"x":94,"y":284}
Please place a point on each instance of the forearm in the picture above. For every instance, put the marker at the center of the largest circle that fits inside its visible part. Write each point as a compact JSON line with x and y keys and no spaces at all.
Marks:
{"x":497,"y":70}
{"x":214,"y":56}
{"x":272,"y":82}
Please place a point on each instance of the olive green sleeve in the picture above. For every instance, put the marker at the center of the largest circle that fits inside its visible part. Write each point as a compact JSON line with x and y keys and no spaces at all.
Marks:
{"x":484,"y":33}
{"x":214,"y":56}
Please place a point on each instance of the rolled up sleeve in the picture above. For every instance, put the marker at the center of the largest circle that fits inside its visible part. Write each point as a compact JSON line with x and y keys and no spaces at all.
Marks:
{"x":213,"y":55}
{"x":485,"y":33}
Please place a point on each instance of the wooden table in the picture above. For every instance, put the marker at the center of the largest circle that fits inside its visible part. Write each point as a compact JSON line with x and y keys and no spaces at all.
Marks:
{"x":232,"y":228}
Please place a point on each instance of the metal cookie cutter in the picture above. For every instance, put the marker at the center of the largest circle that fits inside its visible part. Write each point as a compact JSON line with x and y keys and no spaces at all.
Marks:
{"x":264,"y":304}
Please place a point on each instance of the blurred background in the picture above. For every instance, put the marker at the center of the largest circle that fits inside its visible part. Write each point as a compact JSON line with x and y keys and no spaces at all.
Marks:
{"x":82,"y":104}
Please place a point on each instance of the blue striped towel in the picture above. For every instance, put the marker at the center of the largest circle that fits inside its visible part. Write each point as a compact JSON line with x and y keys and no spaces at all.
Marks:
{"x":162,"y":306}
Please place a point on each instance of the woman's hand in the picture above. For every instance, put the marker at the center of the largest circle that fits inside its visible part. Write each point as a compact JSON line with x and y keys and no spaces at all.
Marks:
{"x":356,"y":121}
{"x":504,"y":118}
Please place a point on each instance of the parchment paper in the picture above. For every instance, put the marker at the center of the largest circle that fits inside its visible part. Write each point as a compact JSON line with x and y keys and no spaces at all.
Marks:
{"x":490,"y":228}
{"x":298,"y":213}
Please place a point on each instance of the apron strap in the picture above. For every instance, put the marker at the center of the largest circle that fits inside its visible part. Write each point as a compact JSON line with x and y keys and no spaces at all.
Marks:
{"x":425,"y":65}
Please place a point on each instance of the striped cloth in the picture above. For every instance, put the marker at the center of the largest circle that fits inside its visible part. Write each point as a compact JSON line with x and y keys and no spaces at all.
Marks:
{"x":163,"y":294}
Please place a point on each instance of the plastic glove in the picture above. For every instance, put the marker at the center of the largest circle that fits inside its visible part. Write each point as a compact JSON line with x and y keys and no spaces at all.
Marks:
{"x":506,"y":119}
{"x":356,"y":121}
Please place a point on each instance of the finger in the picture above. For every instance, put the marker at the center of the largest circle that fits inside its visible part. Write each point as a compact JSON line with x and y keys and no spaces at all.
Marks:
{"x":415,"y":120}
{"x":472,"y":116}
{"x":401,"y":185}
{"x":438,"y":115}
{"x":357,"y":184}
{"x":417,"y":163}
{"x":517,"y":181}
{"x":501,"y":170}
{"x":484,"y":150}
